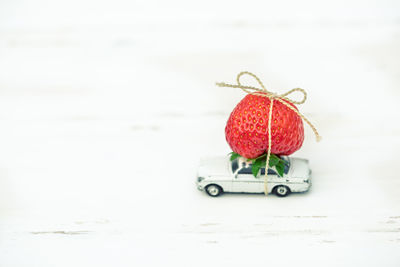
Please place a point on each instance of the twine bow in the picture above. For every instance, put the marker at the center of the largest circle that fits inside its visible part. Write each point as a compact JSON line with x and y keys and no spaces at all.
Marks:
{"x":272,"y":96}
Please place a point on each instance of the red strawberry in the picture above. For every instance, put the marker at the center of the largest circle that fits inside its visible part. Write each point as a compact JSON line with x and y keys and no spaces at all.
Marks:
{"x":247,"y":128}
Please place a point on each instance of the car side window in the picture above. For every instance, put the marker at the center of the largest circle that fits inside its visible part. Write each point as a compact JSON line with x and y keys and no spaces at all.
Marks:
{"x":245,"y":170}
{"x":270,"y":171}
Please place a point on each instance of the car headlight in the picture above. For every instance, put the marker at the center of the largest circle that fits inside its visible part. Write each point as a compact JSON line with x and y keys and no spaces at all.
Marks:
{"x":199,"y":179}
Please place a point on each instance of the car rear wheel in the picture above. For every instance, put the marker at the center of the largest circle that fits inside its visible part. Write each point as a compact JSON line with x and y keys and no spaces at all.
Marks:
{"x":213,"y":190}
{"x":282,"y":191}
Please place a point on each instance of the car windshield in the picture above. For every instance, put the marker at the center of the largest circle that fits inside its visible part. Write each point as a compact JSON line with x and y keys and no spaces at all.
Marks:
{"x":247,"y":169}
{"x":287,"y":165}
{"x":235,"y":165}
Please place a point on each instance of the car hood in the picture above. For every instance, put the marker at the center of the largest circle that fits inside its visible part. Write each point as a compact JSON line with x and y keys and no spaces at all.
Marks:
{"x":299,"y":168}
{"x":213,"y":166}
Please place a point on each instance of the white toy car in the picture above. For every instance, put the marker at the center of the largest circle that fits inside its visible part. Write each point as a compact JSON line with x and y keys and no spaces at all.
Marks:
{"x":220,"y":174}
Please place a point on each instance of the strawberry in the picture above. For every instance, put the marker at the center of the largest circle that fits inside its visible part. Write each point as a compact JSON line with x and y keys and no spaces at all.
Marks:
{"x":247,"y":128}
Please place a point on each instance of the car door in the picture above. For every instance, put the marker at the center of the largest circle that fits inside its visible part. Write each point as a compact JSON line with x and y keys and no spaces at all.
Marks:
{"x":246,"y":182}
{"x":272,"y":179}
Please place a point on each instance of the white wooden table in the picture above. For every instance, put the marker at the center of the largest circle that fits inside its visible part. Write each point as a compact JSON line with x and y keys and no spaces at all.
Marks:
{"x":106,"y":109}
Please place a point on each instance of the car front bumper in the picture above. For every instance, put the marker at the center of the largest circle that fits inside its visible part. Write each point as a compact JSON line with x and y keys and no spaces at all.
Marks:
{"x":300,"y":187}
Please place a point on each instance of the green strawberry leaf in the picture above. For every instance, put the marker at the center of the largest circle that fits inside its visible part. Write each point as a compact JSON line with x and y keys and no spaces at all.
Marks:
{"x":263,"y":162}
{"x":255,"y":168}
{"x":262,"y":156}
{"x":257,"y":165}
{"x":280,"y":168}
{"x":234,"y":155}
{"x":273,"y":160}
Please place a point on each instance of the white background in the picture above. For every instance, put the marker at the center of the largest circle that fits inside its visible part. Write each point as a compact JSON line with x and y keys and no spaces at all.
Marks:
{"x":106,"y":108}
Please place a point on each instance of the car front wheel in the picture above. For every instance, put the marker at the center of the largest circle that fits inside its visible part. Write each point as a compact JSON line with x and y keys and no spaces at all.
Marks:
{"x":282,"y":191}
{"x":213,"y":190}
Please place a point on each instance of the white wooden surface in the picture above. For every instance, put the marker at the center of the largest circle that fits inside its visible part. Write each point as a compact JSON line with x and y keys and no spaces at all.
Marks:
{"x":106,"y":108}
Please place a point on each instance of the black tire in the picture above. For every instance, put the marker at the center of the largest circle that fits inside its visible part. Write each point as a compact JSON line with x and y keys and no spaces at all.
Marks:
{"x":282,"y":190}
{"x":214,"y":190}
